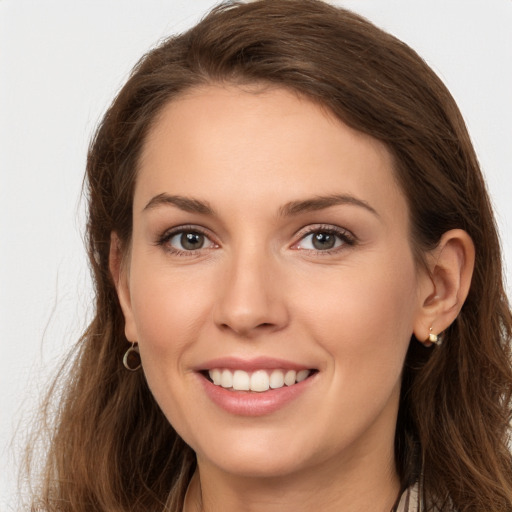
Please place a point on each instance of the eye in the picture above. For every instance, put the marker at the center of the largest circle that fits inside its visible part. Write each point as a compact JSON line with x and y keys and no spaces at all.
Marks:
{"x":186,"y":241}
{"x":320,"y":241}
{"x":325,"y":239}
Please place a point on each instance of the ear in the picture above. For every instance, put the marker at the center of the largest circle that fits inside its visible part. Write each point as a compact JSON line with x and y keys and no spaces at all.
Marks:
{"x":118,"y":265}
{"x":446,"y":285}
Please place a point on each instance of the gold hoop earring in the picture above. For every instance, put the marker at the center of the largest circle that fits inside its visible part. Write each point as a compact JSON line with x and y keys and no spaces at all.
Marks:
{"x":131,"y":358}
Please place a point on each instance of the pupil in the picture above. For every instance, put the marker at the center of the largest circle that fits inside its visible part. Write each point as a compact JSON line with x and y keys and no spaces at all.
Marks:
{"x":323,"y":241}
{"x":192,"y":241}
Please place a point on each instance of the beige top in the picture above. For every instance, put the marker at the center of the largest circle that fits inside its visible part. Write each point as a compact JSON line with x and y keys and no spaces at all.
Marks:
{"x":410,"y":500}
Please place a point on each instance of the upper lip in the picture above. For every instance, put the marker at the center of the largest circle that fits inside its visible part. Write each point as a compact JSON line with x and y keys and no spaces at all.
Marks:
{"x":251,"y":365}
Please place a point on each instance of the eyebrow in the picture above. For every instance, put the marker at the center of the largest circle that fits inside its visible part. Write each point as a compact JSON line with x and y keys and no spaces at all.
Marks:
{"x":183,"y":203}
{"x":288,"y":210}
{"x":322,"y":202}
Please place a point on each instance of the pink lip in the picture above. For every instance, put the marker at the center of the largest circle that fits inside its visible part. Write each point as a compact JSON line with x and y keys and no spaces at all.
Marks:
{"x":246,"y":403}
{"x":251,"y":365}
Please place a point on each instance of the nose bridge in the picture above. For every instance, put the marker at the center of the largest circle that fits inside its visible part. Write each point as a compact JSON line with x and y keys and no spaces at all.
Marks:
{"x":250,"y":300}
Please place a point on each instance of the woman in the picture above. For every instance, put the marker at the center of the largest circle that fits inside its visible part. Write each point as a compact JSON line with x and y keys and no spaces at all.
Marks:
{"x":287,"y":221}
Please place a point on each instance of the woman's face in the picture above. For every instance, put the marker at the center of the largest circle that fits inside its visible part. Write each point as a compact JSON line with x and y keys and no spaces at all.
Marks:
{"x":270,"y":244}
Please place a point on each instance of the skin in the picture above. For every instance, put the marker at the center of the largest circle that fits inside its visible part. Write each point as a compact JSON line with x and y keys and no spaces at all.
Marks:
{"x":259,"y":287}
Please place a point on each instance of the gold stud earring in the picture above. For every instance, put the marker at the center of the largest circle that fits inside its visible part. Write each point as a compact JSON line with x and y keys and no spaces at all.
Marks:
{"x":131,"y":358}
{"x":434,"y":339}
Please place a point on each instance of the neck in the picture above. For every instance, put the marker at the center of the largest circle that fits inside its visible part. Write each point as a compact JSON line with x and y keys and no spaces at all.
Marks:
{"x":361,"y":487}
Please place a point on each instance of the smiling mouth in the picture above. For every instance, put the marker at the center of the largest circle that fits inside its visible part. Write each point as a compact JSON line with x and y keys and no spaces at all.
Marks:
{"x":258,"y":381}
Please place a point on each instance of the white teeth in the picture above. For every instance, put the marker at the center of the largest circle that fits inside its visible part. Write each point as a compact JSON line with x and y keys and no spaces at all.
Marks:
{"x":241,"y":380}
{"x":226,"y":380}
{"x":216,"y":376}
{"x":276,"y":379}
{"x":302,"y":375}
{"x":289,"y":378}
{"x":258,"y":381}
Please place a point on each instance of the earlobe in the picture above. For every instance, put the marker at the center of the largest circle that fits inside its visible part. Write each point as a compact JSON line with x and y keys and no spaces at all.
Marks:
{"x":119,"y":272}
{"x":450,"y":267}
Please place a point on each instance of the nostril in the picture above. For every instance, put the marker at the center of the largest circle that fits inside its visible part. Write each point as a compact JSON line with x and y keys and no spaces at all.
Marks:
{"x":246,"y":330}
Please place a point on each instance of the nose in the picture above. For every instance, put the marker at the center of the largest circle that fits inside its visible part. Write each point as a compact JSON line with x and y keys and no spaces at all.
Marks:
{"x":251,"y":298}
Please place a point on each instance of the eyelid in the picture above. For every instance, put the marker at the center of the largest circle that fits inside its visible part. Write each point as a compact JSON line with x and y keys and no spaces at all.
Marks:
{"x":168,"y":234}
{"x":346,"y":236}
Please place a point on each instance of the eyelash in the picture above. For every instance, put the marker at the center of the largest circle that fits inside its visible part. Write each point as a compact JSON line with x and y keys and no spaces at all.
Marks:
{"x":345,"y":236}
{"x":167,"y":236}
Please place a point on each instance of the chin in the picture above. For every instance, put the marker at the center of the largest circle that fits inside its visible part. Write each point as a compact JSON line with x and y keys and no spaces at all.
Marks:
{"x":260,"y":466}
{"x":267,"y":454}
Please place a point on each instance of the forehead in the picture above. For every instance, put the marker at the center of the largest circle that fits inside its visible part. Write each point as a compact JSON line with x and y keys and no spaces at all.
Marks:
{"x":220,"y":142}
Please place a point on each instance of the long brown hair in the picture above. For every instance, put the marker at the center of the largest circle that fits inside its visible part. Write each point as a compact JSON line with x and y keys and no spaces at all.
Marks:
{"x":111,"y":448}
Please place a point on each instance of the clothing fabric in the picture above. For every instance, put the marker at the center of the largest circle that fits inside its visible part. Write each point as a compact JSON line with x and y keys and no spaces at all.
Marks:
{"x":410,"y":500}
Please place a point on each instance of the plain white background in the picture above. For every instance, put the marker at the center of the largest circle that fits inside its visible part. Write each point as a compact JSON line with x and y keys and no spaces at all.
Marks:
{"x":60,"y":66}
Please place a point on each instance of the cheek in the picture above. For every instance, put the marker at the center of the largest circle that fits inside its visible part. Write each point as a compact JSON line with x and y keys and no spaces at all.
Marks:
{"x":364,"y":320}
{"x":169,"y":312}
{"x":168,"y":309}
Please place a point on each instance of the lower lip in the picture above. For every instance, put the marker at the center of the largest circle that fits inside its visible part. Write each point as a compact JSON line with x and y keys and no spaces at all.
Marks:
{"x":247,"y":403}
